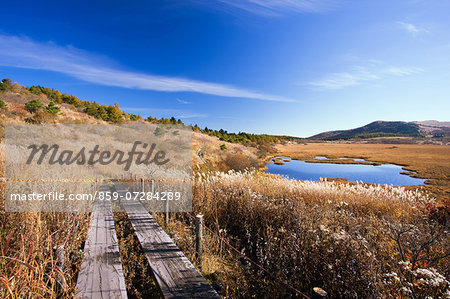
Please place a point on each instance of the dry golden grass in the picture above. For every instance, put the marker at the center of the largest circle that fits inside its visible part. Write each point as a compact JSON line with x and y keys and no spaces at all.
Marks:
{"x":28,"y":241}
{"x":209,"y":148}
{"x":220,"y":266}
{"x":139,"y":279}
{"x":354,"y":240}
{"x":28,"y":262}
{"x":429,"y":161}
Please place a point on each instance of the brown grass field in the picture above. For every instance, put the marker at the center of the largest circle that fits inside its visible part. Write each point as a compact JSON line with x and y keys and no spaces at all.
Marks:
{"x":431,"y":162}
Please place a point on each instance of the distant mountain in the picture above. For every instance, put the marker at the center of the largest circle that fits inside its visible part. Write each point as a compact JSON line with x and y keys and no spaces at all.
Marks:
{"x":429,"y":128}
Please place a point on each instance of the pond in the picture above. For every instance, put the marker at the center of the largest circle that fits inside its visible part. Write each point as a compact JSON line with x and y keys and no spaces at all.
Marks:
{"x":385,"y":174}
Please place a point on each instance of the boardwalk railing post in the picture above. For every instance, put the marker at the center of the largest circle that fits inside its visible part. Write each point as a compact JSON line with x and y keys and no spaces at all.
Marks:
{"x":60,"y":259}
{"x":199,"y":239}
{"x":318,"y":293}
{"x":166,"y":210}
{"x":75,"y":219}
{"x":142,"y":185}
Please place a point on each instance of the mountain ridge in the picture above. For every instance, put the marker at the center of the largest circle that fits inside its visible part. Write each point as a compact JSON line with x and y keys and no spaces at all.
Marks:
{"x":376,"y":129}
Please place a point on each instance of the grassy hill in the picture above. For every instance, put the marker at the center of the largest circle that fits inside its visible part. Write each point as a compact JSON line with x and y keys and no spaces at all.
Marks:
{"x":69,"y":108}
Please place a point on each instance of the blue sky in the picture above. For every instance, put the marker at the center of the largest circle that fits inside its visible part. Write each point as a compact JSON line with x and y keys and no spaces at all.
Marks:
{"x":291,"y":67}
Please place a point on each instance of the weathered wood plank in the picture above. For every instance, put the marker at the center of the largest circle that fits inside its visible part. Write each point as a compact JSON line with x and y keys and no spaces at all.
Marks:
{"x":101,"y":274}
{"x":175,"y":274}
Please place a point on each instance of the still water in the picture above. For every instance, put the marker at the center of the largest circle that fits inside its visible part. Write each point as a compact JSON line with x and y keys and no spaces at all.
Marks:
{"x":385,"y":174}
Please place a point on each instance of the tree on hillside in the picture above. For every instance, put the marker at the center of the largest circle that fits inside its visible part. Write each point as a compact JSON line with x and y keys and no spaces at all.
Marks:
{"x":35,"y":90}
{"x":135,"y":117}
{"x":114,"y":113}
{"x":102,"y":113}
{"x":72,"y":100}
{"x":6,"y":84}
{"x":52,"y":108}
{"x":34,"y":106}
{"x":56,"y":95}
{"x":92,"y":109}
{"x":152,"y":119}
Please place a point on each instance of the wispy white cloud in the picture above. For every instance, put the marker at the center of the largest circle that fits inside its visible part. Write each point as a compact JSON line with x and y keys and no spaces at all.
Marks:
{"x":23,"y":52}
{"x":412,"y":29}
{"x":279,"y":7}
{"x":191,"y":115}
{"x":361,"y":74}
{"x":184,"y":102}
{"x":165,"y":112}
{"x":401,"y":71}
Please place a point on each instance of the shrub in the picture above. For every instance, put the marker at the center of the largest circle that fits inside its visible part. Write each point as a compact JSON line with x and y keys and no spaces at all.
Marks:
{"x":159,"y":131}
{"x":3,"y":105}
{"x":34,"y":106}
{"x":52,"y":108}
{"x":223,"y":147}
{"x":240,"y":162}
{"x":41,"y":117}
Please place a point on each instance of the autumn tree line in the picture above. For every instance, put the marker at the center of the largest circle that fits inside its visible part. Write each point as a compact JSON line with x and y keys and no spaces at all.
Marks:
{"x":242,"y":137}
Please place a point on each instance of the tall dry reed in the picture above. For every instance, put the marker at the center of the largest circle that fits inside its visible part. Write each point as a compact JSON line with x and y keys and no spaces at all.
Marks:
{"x":353,"y":240}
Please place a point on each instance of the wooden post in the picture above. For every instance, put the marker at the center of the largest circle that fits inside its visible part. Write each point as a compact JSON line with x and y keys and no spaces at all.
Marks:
{"x":166,"y":209}
{"x":152,"y":187}
{"x":75,"y":217}
{"x":60,"y":260}
{"x":142,"y":185}
{"x":318,"y":293}
{"x":199,"y":239}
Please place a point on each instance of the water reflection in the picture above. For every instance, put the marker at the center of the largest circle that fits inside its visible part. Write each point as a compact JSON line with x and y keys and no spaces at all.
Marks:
{"x":388,"y":174}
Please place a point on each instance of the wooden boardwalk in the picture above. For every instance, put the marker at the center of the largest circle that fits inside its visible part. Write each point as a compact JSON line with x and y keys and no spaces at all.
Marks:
{"x":174,"y":273}
{"x":101,"y":274}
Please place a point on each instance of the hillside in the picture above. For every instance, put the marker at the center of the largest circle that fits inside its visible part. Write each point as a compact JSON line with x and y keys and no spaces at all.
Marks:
{"x":70,"y":108}
{"x":218,"y":149}
{"x":377,"y":129}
